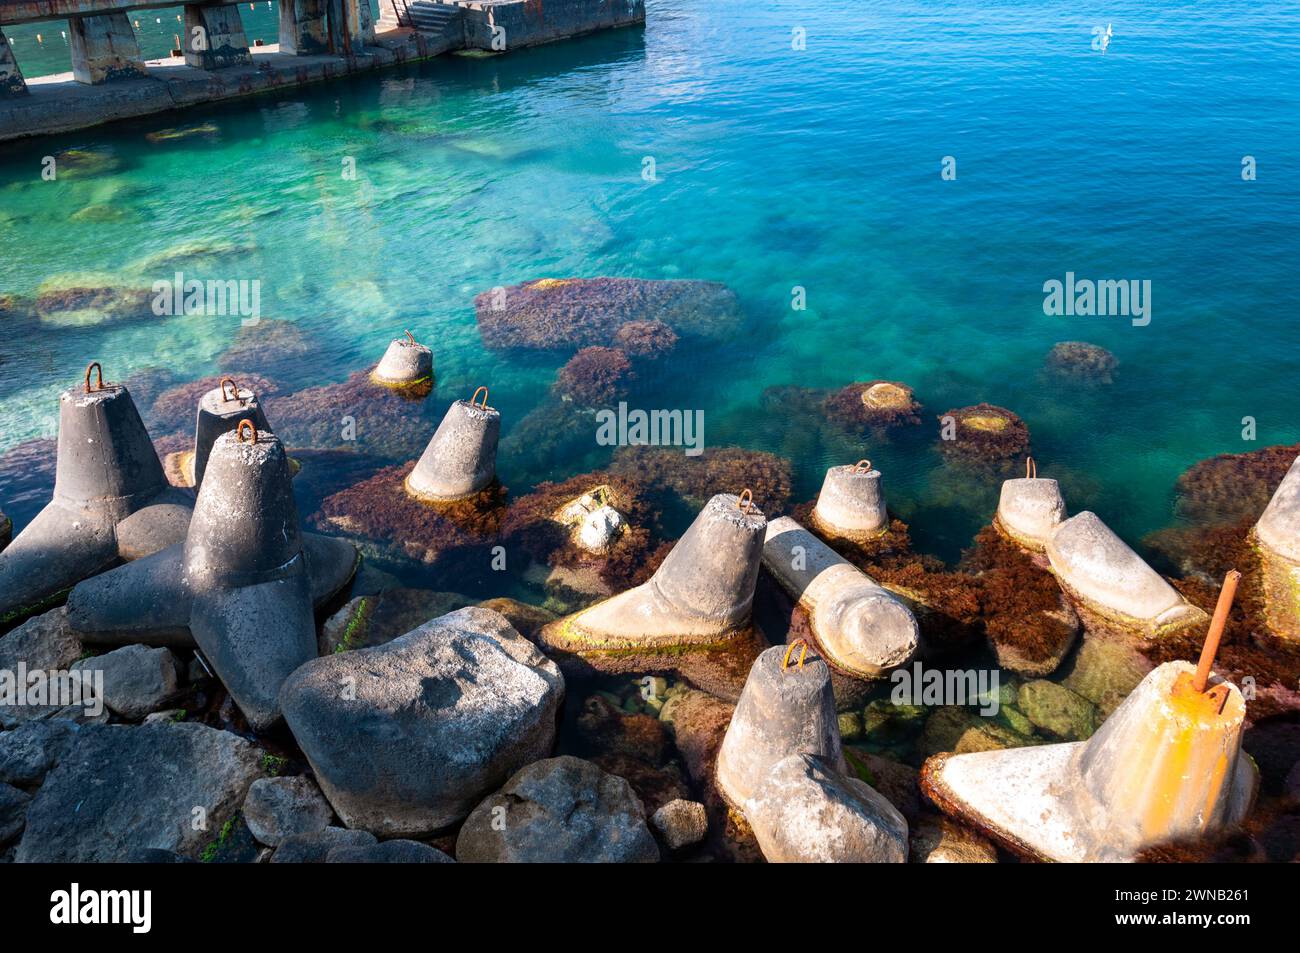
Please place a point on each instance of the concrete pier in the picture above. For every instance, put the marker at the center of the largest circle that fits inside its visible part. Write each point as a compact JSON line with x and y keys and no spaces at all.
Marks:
{"x":214,"y":37}
{"x":104,"y":48}
{"x":11,"y":77}
{"x":303,"y":27}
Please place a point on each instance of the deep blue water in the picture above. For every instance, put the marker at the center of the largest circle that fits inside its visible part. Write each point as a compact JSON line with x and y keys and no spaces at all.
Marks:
{"x":775,"y":168}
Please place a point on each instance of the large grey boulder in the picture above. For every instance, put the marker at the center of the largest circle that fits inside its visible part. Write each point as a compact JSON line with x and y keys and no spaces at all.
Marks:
{"x":313,"y":847}
{"x":29,"y":751}
{"x":137,"y":679}
{"x":561,"y":810}
{"x":169,"y":786}
{"x":389,"y":852}
{"x":808,"y":812}
{"x":406,"y":737}
{"x":13,"y":812}
{"x":277,"y":808}
{"x":45,"y":644}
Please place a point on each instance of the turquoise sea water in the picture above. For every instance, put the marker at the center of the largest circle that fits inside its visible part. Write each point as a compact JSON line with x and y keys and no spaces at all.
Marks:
{"x":775,"y":168}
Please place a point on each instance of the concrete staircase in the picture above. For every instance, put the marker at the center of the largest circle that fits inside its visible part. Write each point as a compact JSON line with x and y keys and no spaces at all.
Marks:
{"x":426,"y":16}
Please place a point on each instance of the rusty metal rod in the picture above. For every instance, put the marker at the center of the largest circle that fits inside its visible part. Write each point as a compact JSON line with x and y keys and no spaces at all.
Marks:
{"x":1217,"y":623}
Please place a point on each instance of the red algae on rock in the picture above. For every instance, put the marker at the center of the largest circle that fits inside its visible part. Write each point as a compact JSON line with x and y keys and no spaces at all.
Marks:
{"x":268,"y":346}
{"x":645,"y":339}
{"x":982,"y":435}
{"x":596,"y":377}
{"x":174,"y":409}
{"x":696,"y":479}
{"x":388,"y":525}
{"x":558,"y":313}
{"x":1232,"y":485}
{"x":356,"y":414}
{"x":875,"y":406}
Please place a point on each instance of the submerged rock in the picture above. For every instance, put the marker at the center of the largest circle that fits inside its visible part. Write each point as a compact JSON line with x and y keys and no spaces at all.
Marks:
{"x":694,"y":480}
{"x":555,"y":313}
{"x":982,"y":435}
{"x":98,"y":803}
{"x":269,"y":347}
{"x":806,"y":811}
{"x":596,"y":377}
{"x":430,"y":722}
{"x":77,"y":299}
{"x":1232,"y":486}
{"x":1080,"y":361}
{"x":645,"y":339}
{"x":873,"y":406}
{"x":1057,"y":710}
{"x":561,"y":810}
{"x":174,"y":408}
{"x":357,"y":415}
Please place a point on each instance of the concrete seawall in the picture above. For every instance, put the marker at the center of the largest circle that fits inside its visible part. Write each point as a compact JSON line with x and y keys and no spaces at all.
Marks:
{"x":319,"y":40}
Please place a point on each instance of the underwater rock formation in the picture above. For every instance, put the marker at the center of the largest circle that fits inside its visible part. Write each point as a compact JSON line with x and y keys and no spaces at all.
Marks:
{"x":356,"y":414}
{"x":645,"y":339}
{"x":86,"y":298}
{"x":271,"y":348}
{"x":596,"y":377}
{"x":174,"y":408}
{"x":1080,"y":361}
{"x":1230,"y":486}
{"x":694,"y":480}
{"x":559,"y":313}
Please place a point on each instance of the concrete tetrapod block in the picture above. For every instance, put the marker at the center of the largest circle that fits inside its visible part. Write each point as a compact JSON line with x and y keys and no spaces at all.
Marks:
{"x":239,"y":587}
{"x":220,"y":411}
{"x":859,"y":627}
{"x":111,"y":502}
{"x":1166,"y":766}
{"x":430,"y":723}
{"x":806,"y":812}
{"x":461,"y":458}
{"x":851,"y":504}
{"x":406,"y":364}
{"x":1277,"y":534}
{"x":1029,"y":510}
{"x":783,"y":710}
{"x":698,"y":602}
{"x":1100,"y":570}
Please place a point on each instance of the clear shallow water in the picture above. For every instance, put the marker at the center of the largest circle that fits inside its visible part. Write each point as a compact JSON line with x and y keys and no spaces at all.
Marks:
{"x":775,"y":168}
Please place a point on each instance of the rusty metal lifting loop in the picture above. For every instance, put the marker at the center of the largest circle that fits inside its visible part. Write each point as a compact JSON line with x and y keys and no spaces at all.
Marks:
{"x":234,"y":390}
{"x":745,"y":501}
{"x":803,"y":653}
{"x":1031,"y":469}
{"x":410,"y":337}
{"x":861,"y":465}
{"x":99,"y":376}
{"x":475,"y":397}
{"x":239,"y":431}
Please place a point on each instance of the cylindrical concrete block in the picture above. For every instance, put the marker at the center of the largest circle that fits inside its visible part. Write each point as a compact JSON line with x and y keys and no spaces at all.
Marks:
{"x":245,"y":524}
{"x":105,"y":456}
{"x":461,"y":459}
{"x":1101,"y":569}
{"x":711,"y":571}
{"x":220,"y":411}
{"x":852,"y":503}
{"x":861,"y":627}
{"x":1030,"y":509}
{"x":783,"y":710}
{"x":405,"y":364}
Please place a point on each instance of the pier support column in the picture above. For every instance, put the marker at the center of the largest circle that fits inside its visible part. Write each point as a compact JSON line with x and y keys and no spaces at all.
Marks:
{"x":302,"y":27}
{"x":351,"y":27}
{"x":11,"y":78}
{"x":104,"y":48}
{"x":214,"y":37}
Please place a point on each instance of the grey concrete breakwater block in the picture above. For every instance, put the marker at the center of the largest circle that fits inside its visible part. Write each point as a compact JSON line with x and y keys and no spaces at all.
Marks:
{"x":1029,"y":510}
{"x":238,"y":587}
{"x":107,"y":480}
{"x":405,"y":362}
{"x":861,"y":627}
{"x":461,"y":458}
{"x":783,"y":710}
{"x":851,"y":503}
{"x":220,"y":411}
{"x":1099,"y":568}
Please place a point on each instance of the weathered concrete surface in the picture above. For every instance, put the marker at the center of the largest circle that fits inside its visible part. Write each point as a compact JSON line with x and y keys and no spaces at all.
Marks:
{"x":1167,"y":765}
{"x":58,"y":103}
{"x":104,"y":48}
{"x":1098,"y":568}
{"x":11,"y":77}
{"x":461,"y":457}
{"x":405,"y":363}
{"x":214,"y":37}
{"x":1029,"y":510}
{"x":34,"y":11}
{"x":220,"y":411}
{"x":851,"y":504}
{"x":1278,"y":536}
{"x":303,"y":28}
{"x":863,"y":628}
{"x":510,"y":24}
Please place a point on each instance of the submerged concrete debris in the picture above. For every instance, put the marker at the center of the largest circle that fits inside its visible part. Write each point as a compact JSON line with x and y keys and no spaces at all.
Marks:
{"x":111,"y":501}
